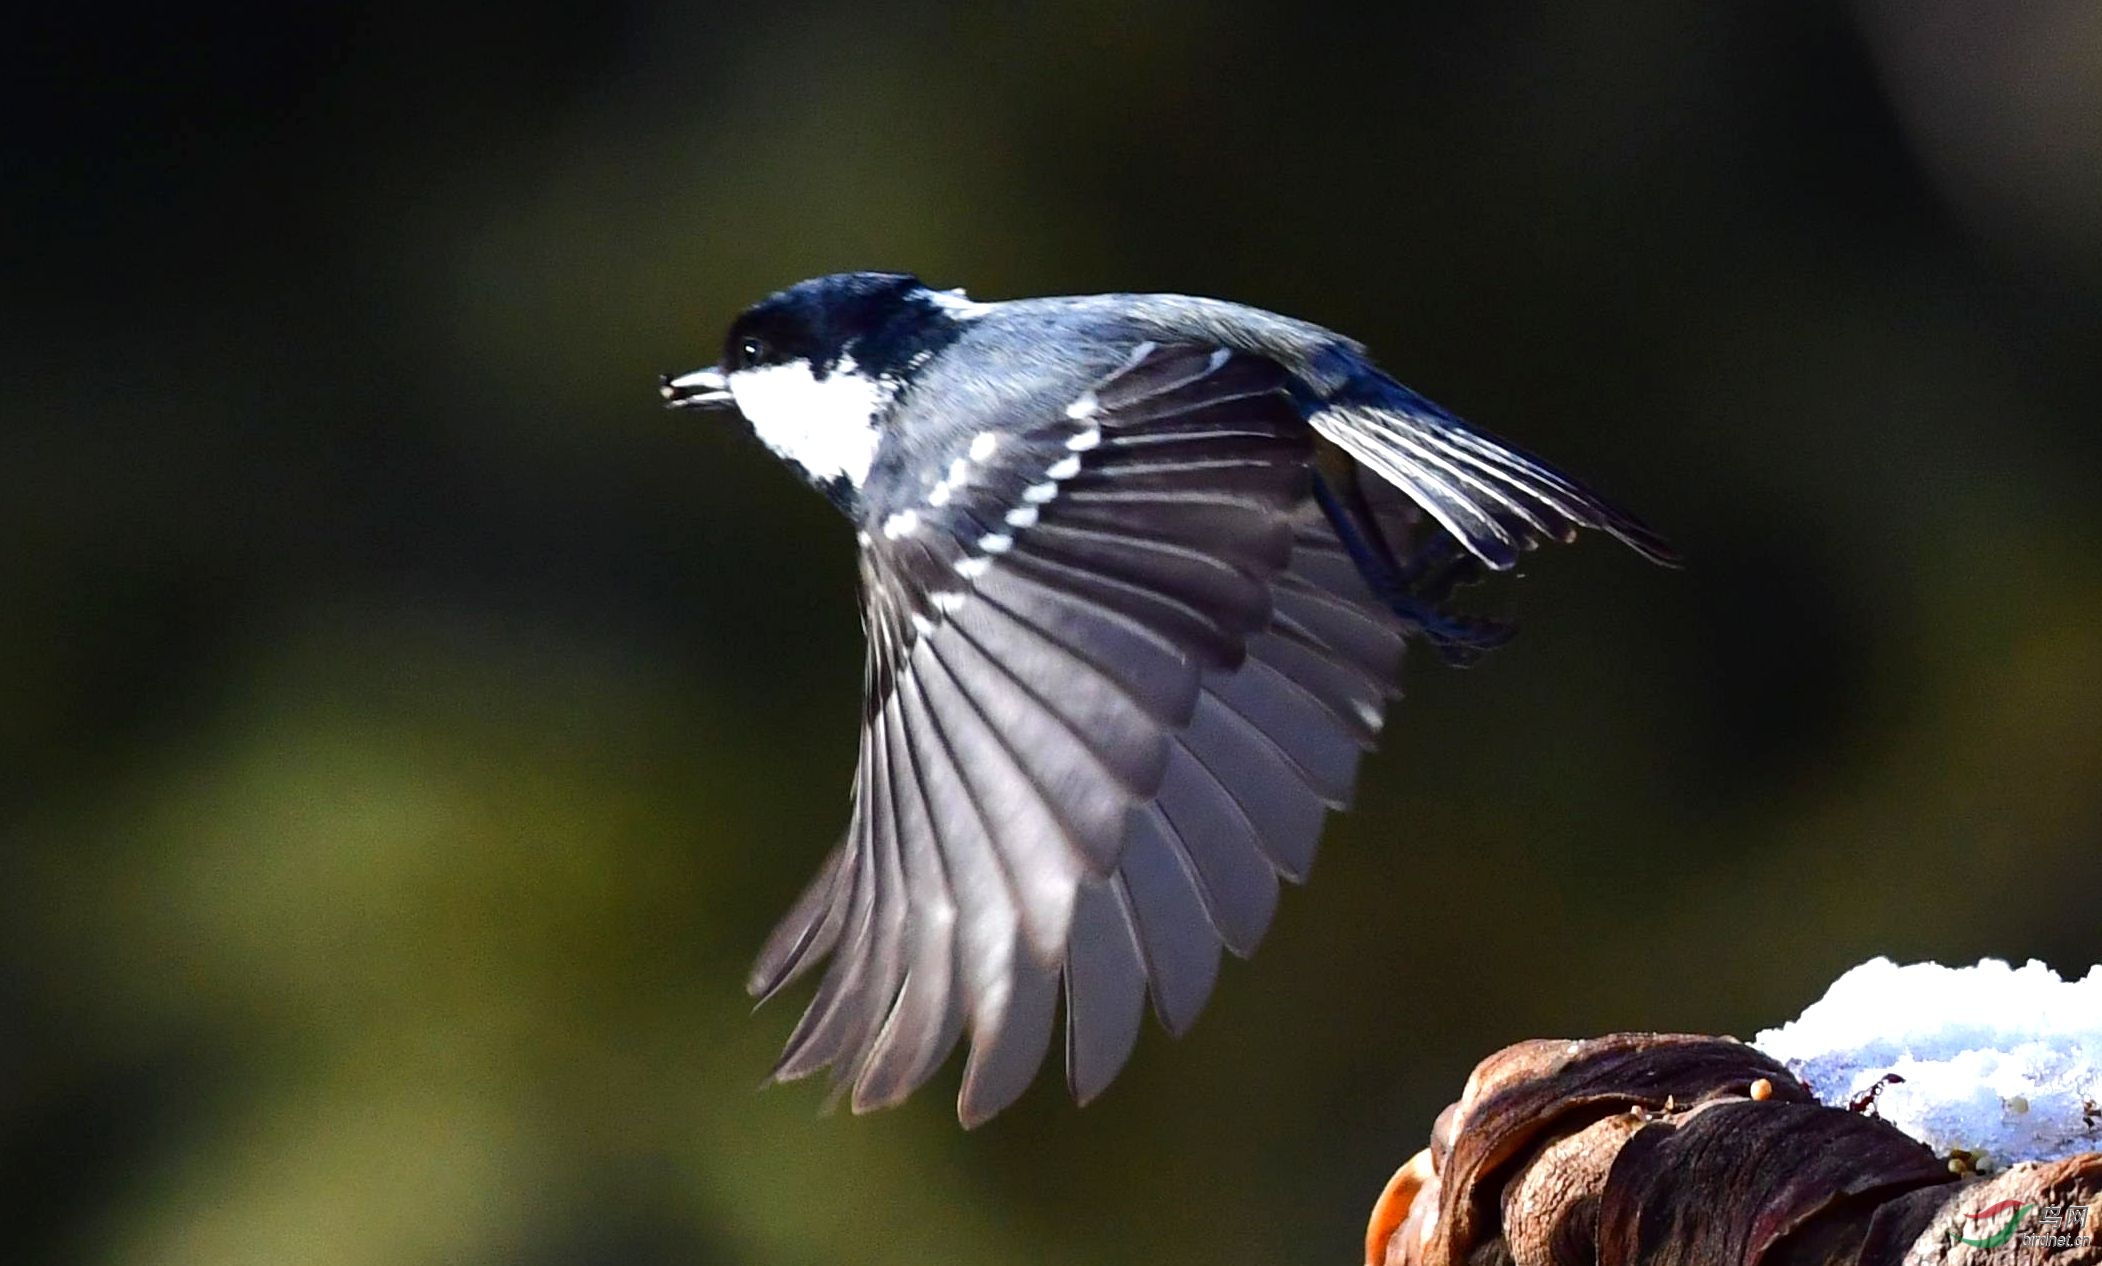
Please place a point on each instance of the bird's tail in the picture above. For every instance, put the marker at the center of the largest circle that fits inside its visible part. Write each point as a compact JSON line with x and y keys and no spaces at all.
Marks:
{"x":1494,"y":498}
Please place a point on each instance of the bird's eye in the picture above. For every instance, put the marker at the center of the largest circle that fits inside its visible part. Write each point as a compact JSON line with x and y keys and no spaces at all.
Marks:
{"x":750,"y":352}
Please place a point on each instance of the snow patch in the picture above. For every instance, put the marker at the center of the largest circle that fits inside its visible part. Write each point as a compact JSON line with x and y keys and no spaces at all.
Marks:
{"x":1997,"y":1061}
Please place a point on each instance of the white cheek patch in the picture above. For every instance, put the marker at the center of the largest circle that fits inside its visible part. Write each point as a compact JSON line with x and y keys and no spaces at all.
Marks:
{"x":828,"y":425}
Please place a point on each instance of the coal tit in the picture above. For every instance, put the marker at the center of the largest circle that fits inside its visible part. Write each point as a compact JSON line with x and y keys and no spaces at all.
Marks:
{"x":1136,"y":572}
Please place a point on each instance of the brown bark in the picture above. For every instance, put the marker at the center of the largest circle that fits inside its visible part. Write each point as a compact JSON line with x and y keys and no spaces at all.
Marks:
{"x":1675,"y":1150}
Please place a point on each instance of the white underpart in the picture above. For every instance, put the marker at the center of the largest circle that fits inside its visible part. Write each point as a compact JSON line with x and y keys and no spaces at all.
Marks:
{"x":828,"y":425}
{"x":1996,"y":1060}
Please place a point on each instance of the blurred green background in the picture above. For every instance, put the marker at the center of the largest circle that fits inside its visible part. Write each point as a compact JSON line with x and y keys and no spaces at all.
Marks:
{"x":410,"y":730}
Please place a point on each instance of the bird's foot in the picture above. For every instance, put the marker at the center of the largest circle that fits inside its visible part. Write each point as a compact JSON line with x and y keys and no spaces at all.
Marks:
{"x":1459,"y":640}
{"x":1417,"y":587}
{"x":1420,"y":588}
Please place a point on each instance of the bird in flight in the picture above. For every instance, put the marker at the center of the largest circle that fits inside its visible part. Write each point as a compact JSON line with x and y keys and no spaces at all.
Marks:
{"x":1136,"y":573}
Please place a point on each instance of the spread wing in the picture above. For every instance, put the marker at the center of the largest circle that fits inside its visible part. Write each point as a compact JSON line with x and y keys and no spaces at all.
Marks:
{"x":1118,"y":670}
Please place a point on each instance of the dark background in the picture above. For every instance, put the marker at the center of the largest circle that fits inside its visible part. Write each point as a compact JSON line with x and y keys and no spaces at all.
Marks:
{"x":409,"y":730}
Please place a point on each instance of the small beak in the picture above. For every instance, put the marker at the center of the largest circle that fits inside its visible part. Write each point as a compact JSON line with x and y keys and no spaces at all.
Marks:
{"x":701,"y":389}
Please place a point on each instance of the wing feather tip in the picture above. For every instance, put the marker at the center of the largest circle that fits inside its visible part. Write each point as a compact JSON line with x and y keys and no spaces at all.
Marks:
{"x":1086,"y":1092}
{"x":1646,"y":541}
{"x":1178,"y":1025}
{"x":972,"y":1112}
{"x":861,"y":1104}
{"x":761,"y":986}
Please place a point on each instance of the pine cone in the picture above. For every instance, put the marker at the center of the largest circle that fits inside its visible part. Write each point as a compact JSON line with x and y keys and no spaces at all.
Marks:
{"x":1662,"y":1149}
